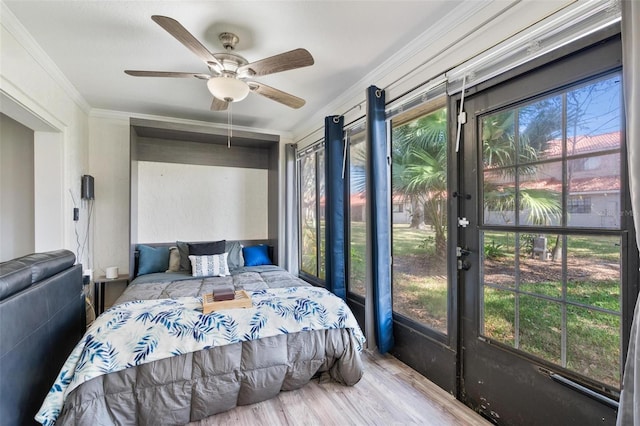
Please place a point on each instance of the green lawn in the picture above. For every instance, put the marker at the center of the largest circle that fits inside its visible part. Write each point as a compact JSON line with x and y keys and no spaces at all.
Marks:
{"x":606,"y":247}
{"x":419,"y":278}
{"x":592,"y":338}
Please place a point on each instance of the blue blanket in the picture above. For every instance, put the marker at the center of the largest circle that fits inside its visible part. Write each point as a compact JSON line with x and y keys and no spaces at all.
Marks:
{"x":139,"y":332}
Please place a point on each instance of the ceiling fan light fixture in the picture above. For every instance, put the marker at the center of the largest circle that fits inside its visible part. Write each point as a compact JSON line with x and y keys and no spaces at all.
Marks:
{"x":229,"y":71}
{"x":228,"y":89}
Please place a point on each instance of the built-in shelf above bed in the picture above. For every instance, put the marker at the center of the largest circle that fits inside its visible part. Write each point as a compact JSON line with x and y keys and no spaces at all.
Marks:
{"x":201,"y":145}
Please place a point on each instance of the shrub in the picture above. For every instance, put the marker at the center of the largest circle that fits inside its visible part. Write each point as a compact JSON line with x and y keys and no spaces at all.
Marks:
{"x":428,"y":244}
{"x":493,"y":250}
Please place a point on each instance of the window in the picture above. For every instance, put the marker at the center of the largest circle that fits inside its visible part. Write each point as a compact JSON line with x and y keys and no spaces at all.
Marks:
{"x":584,"y":164}
{"x":311,"y":184}
{"x":419,"y":180}
{"x":579,"y":204}
{"x":311,"y":196}
{"x":357,"y":210}
{"x":552,"y":270}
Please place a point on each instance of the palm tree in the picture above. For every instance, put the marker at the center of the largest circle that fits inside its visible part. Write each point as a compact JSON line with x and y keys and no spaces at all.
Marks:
{"x":420,"y":171}
{"x":504,"y":148}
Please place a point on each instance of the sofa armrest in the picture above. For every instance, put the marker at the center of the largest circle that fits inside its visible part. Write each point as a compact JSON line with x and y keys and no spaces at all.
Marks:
{"x":20,"y":273}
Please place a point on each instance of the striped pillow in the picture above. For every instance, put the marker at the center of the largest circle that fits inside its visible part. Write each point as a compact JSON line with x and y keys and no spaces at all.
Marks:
{"x":213,"y":265}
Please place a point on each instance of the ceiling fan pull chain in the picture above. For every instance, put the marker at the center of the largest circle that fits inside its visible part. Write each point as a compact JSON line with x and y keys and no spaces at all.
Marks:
{"x":229,"y":129}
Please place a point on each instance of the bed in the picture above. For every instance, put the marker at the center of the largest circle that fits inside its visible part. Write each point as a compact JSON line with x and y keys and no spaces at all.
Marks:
{"x":155,"y":358}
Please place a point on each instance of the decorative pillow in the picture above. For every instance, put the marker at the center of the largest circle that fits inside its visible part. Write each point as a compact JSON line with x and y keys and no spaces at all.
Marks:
{"x":183,"y":249}
{"x":152,"y":259}
{"x":234,"y":260}
{"x":256,"y":255}
{"x":212,"y":247}
{"x":174,"y":260}
{"x":214,"y":265}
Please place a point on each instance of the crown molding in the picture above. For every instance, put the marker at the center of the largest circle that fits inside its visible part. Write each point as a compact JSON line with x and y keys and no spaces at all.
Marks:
{"x":126,"y":116}
{"x":9,"y":21}
{"x":392,"y":67}
{"x":18,"y":105}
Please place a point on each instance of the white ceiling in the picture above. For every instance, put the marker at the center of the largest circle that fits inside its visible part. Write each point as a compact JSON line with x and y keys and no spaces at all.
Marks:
{"x":92,"y":42}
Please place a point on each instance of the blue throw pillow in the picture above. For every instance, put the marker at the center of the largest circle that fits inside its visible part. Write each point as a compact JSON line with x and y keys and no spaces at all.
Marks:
{"x":152,"y":259}
{"x":256,"y":255}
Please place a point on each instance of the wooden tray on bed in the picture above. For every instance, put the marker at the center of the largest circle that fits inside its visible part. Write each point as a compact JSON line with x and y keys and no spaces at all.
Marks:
{"x":241,"y":300}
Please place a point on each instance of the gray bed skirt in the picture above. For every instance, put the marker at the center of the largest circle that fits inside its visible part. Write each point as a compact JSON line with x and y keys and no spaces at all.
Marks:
{"x":193,"y":386}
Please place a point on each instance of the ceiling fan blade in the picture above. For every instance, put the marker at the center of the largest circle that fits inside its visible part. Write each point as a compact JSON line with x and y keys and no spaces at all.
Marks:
{"x":136,"y":73}
{"x":276,"y":95}
{"x":176,"y":29}
{"x":219,"y":105}
{"x":293,"y":59}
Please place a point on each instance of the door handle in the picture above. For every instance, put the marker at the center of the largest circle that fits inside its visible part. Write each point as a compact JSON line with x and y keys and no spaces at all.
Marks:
{"x":463,"y":265}
{"x":456,"y":194}
{"x":461,"y":251}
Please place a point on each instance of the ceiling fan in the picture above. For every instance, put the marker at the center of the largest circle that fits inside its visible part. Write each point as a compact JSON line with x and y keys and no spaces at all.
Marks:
{"x":231,"y":77}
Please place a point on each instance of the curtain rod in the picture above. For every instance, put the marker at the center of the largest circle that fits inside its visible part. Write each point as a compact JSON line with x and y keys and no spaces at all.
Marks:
{"x":358,"y":105}
{"x":321,"y":140}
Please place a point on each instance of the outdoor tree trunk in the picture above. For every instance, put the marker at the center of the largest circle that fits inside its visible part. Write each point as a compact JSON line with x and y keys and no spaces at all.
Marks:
{"x":441,"y":245}
{"x":417,"y":214}
{"x":557,"y":252}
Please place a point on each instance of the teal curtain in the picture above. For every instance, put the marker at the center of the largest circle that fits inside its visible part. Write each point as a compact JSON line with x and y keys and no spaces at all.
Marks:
{"x":379,"y":221}
{"x":334,"y":206}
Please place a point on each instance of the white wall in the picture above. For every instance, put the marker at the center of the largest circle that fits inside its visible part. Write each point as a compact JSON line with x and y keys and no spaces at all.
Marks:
{"x":109,"y":164}
{"x":197,"y":203}
{"x":36,"y":94}
{"x":17,"y":227}
{"x":49,"y":187}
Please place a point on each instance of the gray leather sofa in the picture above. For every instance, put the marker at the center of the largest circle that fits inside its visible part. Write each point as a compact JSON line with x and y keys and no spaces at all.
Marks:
{"x":42,"y":317}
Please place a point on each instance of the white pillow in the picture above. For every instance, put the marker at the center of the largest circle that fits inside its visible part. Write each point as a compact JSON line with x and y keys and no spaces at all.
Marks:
{"x":213,"y":265}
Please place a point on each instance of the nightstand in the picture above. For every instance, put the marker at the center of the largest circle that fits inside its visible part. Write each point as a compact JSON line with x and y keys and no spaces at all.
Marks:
{"x":99,"y":290}
{"x":89,"y":299}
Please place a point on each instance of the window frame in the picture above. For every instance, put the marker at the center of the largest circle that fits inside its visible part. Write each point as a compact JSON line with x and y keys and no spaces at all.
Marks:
{"x":629,"y":252}
{"x":399,"y":116}
{"x":312,"y":150}
{"x":352,"y":131}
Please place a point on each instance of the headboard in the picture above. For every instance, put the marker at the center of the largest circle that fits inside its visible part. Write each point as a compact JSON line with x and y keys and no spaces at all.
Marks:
{"x":133,"y":258}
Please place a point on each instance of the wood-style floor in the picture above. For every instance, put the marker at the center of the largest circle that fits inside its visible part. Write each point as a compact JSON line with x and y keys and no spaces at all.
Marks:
{"x":389,"y":393}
